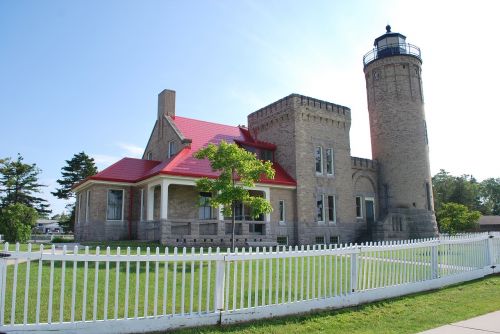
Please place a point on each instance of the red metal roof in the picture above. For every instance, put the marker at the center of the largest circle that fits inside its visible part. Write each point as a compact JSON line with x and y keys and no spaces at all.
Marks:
{"x":126,"y":170}
{"x":183,"y":163}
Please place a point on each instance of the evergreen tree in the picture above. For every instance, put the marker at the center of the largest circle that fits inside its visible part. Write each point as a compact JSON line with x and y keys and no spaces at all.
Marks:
{"x":19,"y":185}
{"x":76,"y":170}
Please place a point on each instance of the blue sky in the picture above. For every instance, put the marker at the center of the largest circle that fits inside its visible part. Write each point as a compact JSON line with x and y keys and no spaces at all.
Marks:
{"x":84,"y":75}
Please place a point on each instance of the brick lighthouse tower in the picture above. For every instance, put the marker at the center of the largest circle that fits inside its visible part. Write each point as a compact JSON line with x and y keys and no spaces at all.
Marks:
{"x":399,"y":139}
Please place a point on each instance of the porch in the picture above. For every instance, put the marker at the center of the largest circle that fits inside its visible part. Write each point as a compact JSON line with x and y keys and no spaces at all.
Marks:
{"x":179,"y":215}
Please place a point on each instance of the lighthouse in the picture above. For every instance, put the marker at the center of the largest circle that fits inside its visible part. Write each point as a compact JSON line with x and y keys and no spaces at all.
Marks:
{"x":399,"y":139}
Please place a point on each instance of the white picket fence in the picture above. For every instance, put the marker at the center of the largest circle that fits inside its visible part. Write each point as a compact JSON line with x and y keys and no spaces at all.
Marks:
{"x":130,"y":292}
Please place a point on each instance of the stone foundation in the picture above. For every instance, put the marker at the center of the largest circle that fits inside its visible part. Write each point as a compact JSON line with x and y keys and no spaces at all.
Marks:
{"x":404,"y":224}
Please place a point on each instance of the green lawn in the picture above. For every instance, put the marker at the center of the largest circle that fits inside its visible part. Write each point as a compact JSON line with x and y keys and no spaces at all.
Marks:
{"x":249,"y":290}
{"x":410,"y":314}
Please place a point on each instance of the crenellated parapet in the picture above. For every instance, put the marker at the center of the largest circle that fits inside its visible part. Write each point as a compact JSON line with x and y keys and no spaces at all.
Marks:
{"x":296,"y":100}
{"x":305,"y":107}
{"x":362,"y":163}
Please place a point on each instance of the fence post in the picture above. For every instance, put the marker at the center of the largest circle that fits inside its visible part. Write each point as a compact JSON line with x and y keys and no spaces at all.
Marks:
{"x":490,"y":254}
{"x":354,"y":271}
{"x":434,"y":261}
{"x":3,"y":272}
{"x":220,"y":278}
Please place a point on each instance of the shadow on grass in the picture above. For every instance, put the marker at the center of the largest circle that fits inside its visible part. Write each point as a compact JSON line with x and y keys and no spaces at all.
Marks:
{"x":267,"y":325}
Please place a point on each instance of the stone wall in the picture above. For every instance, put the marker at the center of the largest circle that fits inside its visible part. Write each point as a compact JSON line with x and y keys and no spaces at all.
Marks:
{"x":164,"y":131}
{"x":94,"y":226}
{"x":399,"y":138}
{"x":288,"y":228}
{"x":183,"y":202}
{"x":404,"y":224}
{"x":365,"y":183}
{"x":297,"y":125}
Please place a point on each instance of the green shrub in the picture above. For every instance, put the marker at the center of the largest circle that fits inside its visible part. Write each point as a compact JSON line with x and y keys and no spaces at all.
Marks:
{"x":56,"y":240}
{"x":16,"y":222}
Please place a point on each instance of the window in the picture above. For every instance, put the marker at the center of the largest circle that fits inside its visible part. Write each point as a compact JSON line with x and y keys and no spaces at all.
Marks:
{"x":329,"y":161}
{"x":334,"y":239}
{"x":79,"y":208}
{"x":282,"y":240}
{"x":331,"y":208}
{"x":397,"y":223}
{"x":359,"y":207}
{"x":282,"y":210}
{"x":150,"y":155}
{"x":171,"y":148}
{"x":115,"y":205}
{"x":319,"y":160}
{"x":205,"y":210}
{"x":320,"y":240}
{"x":256,"y":228}
{"x":320,"y":209}
{"x":87,"y":206}
{"x":266,"y":155}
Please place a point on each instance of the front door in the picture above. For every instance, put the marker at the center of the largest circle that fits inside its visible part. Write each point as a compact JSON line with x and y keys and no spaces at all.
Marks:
{"x":370,"y":216}
{"x":370,"y":213}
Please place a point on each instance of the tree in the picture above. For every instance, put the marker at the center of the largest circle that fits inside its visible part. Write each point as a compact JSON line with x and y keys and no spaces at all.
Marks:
{"x":453,"y":218}
{"x":239,"y":170}
{"x":490,"y":195}
{"x":457,"y":189}
{"x":60,"y":216}
{"x":17,"y":221}
{"x":19,"y":184}
{"x":76,"y":170}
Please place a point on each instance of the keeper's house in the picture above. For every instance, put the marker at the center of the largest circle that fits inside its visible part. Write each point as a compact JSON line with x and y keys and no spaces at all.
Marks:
{"x":320,"y":195}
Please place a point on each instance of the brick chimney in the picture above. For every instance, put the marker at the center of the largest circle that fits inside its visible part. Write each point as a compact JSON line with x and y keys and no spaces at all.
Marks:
{"x":166,"y":103}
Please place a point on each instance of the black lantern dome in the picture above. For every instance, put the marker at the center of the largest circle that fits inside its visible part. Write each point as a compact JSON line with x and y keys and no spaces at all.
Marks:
{"x":390,"y":44}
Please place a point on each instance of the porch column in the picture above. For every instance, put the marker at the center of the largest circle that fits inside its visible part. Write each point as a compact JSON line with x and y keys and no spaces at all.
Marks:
{"x":164,"y":199}
{"x":267,"y":195}
{"x":151,"y":202}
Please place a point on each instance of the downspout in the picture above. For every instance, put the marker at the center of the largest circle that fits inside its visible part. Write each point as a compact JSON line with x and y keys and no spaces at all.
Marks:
{"x":131,"y":198}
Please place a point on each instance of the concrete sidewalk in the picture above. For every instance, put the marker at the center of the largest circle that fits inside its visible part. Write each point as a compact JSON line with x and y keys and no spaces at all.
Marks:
{"x":488,"y":323}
